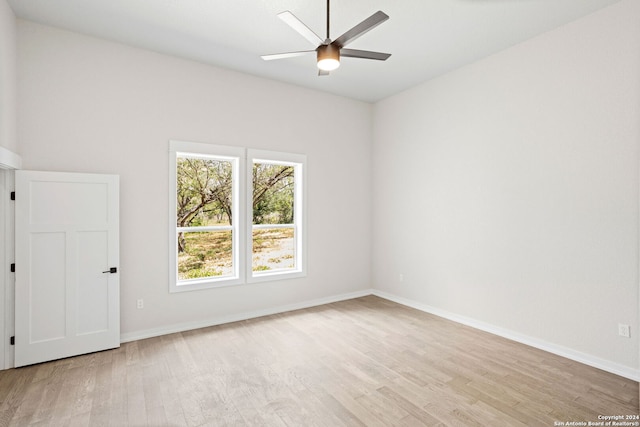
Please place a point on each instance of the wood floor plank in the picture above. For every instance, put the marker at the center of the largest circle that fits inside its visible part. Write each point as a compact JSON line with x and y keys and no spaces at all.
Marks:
{"x":362,"y":362}
{"x":361,"y":412}
{"x":417,"y":414}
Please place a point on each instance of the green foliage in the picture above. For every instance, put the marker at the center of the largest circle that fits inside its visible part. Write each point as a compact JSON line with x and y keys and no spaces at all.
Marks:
{"x":204,"y":192}
{"x":273,"y":193}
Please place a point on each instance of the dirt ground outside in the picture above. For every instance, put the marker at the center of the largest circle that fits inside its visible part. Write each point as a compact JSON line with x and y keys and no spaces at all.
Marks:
{"x":209,"y":254}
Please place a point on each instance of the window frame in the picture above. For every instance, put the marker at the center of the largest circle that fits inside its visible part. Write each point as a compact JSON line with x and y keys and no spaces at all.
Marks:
{"x":236,"y":155}
{"x":299,"y":162}
{"x":242,"y":205}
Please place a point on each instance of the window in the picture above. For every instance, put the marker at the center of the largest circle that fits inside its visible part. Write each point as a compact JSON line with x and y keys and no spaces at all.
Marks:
{"x":237,"y":215}
{"x":277,"y":215}
{"x":206,"y":217}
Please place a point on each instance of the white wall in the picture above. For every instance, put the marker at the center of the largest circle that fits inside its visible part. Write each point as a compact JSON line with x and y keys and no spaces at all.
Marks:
{"x":8,"y":103}
{"x":88,"y":105}
{"x":506,"y":192}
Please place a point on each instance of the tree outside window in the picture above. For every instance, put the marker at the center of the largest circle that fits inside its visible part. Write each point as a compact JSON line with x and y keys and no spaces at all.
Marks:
{"x":238,"y":215}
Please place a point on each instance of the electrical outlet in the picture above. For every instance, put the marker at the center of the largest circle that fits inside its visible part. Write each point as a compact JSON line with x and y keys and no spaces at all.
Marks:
{"x":623,"y":330}
{"x":140,"y":303}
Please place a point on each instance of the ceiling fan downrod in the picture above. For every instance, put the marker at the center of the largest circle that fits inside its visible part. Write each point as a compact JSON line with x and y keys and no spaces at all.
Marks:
{"x":328,"y":39}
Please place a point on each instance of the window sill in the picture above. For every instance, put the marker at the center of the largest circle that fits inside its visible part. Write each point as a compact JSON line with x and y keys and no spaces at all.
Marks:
{"x":197,"y":285}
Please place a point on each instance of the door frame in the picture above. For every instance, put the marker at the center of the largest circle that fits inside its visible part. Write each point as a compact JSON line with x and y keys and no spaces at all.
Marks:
{"x":9,"y":162}
{"x":7,"y":254}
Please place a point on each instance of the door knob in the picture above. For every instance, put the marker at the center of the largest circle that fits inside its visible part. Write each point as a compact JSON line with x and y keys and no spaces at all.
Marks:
{"x":111,"y":270}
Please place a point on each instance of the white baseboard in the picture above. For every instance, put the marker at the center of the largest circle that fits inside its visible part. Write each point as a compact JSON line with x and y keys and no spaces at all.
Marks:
{"x":219,"y":320}
{"x":587,"y":359}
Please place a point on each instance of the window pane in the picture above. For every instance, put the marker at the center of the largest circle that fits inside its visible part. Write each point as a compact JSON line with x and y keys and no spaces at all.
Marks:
{"x":273,"y":249}
{"x":205,"y":254}
{"x":273,"y":193}
{"x":204,"y":192}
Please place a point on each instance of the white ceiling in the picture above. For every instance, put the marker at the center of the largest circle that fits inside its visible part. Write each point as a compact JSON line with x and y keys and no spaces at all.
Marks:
{"x":425,"y":37}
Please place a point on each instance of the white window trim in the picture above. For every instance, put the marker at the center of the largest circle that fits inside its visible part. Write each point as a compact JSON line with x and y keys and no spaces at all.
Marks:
{"x":243,"y":214}
{"x":299,"y":161}
{"x":237,"y":155}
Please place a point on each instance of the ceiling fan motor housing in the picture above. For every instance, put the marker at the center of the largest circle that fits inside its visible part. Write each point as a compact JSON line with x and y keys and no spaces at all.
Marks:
{"x":328,"y":57}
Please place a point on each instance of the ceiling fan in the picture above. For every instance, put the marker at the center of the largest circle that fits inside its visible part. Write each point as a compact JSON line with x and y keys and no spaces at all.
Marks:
{"x":329,"y":52}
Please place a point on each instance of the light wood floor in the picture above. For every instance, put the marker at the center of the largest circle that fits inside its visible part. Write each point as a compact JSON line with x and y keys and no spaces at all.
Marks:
{"x":360,"y":362}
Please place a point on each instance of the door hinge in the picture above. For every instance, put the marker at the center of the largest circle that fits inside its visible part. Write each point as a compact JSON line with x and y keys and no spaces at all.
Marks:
{"x":13,"y":268}
{"x":13,"y":195}
{"x":12,"y":340}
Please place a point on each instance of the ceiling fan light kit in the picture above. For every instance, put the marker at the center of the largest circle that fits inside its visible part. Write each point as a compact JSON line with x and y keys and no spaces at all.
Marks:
{"x":328,"y":57}
{"x":328,"y":52}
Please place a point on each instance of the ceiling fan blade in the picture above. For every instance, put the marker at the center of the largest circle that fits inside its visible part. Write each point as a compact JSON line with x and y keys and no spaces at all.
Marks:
{"x":285,"y":55}
{"x":368,"y":24}
{"x":300,"y":27}
{"x":323,"y":73}
{"x":355,"y":53}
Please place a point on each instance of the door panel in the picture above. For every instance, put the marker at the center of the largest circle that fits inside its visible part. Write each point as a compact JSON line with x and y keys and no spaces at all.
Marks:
{"x":92,"y":297}
{"x":50,"y":203}
{"x":47,"y":288}
{"x":66,"y":239}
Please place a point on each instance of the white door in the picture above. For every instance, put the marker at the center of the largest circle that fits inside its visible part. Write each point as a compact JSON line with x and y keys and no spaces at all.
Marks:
{"x":67,"y":255}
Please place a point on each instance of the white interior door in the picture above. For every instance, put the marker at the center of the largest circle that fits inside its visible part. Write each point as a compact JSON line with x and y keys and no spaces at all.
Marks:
{"x":67,"y":255}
